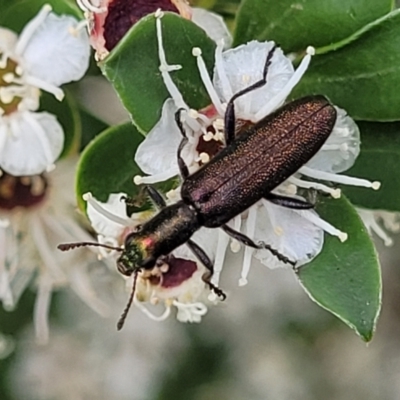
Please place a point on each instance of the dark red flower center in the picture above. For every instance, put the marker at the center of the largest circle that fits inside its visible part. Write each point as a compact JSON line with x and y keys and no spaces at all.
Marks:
{"x":180,"y":270}
{"x":122,"y":14}
{"x":21,"y":191}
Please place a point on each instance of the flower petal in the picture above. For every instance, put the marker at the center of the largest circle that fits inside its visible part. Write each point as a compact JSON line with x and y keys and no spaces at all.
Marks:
{"x":213,"y":24}
{"x":157,"y":153}
{"x":243,"y":66}
{"x":8,"y":40}
{"x":33,"y":143}
{"x":103,"y":225}
{"x":289,"y":233}
{"x":206,"y":238}
{"x":57,"y":52}
{"x":342,"y":147}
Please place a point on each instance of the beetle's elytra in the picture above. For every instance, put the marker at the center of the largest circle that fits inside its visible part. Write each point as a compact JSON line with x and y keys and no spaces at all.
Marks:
{"x":259,"y":160}
{"x":246,"y":170}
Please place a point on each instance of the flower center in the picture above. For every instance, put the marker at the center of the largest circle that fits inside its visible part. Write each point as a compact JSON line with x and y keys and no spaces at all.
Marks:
{"x":212,"y":142}
{"x":21,"y":191}
{"x":10,"y":92}
{"x":178,"y":270}
{"x":122,"y":14}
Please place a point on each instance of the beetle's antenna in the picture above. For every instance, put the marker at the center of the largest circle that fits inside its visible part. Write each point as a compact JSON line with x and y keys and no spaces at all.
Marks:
{"x":124,"y":314}
{"x":70,"y":246}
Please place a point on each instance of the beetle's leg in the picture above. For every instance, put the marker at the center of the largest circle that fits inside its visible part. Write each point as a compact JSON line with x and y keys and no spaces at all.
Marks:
{"x":205,"y":260}
{"x":181,"y":163}
{"x":248,"y":242}
{"x":155,"y":195}
{"x":129,"y":201}
{"x":288,"y":202}
{"x":229,"y":117}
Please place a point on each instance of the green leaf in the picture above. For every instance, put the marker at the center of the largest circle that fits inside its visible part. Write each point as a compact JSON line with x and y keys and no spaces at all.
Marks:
{"x":107,"y":164}
{"x":379,"y":160}
{"x":133,"y":67}
{"x":345,"y":277}
{"x":16,"y":14}
{"x":67,"y":114}
{"x":296,"y":25}
{"x":363,"y":77}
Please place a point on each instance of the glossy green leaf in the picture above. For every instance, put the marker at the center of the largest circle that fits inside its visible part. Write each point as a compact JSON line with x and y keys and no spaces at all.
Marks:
{"x":16,"y":14}
{"x":345,"y":278}
{"x":107,"y":164}
{"x":362,"y":77}
{"x":133,"y":67}
{"x":379,"y":160}
{"x":296,"y":25}
{"x":67,"y":114}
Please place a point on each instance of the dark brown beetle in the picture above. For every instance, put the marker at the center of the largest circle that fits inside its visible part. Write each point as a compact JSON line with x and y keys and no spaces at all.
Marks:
{"x":246,"y":170}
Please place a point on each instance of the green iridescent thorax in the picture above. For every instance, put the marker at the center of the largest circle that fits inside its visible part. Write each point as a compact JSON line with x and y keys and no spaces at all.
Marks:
{"x":136,"y":250}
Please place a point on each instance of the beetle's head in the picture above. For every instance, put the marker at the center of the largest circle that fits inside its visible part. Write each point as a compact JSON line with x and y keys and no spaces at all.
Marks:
{"x":135,"y":255}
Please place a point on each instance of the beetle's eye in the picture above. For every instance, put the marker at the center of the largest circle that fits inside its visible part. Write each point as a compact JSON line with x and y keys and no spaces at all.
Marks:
{"x":123,"y":269}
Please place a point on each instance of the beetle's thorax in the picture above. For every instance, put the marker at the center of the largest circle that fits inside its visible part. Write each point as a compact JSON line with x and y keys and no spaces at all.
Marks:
{"x":167,"y":230}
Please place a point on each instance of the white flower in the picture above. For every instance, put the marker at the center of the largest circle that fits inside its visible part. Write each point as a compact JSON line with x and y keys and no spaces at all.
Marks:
{"x":50,"y":51}
{"x":234,"y":70}
{"x":176,"y":283}
{"x":107,"y":25}
{"x":36,"y":214}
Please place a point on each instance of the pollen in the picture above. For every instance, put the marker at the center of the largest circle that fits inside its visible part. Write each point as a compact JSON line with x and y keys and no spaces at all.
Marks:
{"x":376,"y":185}
{"x":208,"y":136}
{"x":137,"y":180}
{"x":196,"y":51}
{"x":204,"y":158}
{"x":278,"y":231}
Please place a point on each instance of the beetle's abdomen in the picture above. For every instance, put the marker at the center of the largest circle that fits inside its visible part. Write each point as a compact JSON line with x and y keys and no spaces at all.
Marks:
{"x":259,"y":160}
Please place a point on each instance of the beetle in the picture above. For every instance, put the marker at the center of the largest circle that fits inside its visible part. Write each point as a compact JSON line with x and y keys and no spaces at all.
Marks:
{"x":247,"y":169}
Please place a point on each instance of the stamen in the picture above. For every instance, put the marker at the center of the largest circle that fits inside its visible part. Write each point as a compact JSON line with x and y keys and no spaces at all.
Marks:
{"x":207,"y":137}
{"x":191,"y":311}
{"x":222,"y":244}
{"x":30,"y":29}
{"x":101,"y":210}
{"x":162,"y":176}
{"x":205,"y":77}
{"x":326,"y":226}
{"x":248,"y":252}
{"x":165,"y":68}
{"x":204,"y":158}
{"x":6,"y":295}
{"x":235,"y":244}
{"x":48,"y":87}
{"x":344,"y":179}
{"x":191,"y":121}
{"x":227,"y":91}
{"x":86,"y":5}
{"x":335,"y":193}
{"x":8,"y":77}
{"x":280,"y":97}
{"x":75,"y":30}
{"x":41,"y":310}
{"x":81,"y":285}
{"x":370,"y":222}
{"x":142,"y":308}
{"x":45,"y":250}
